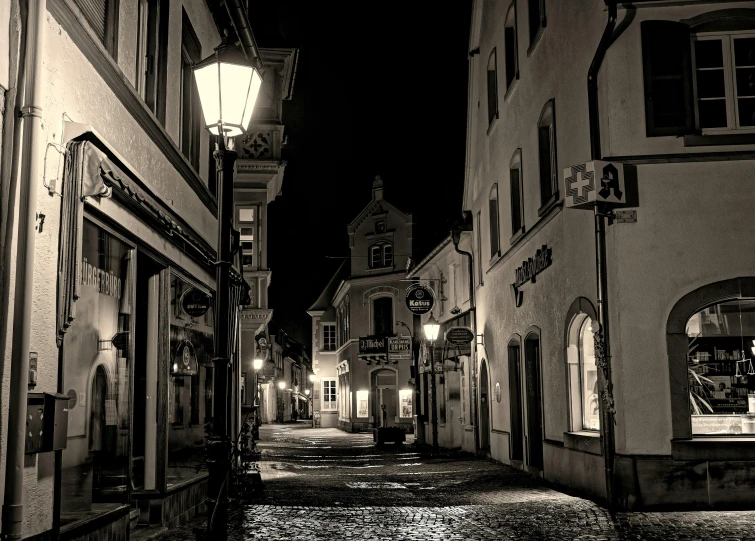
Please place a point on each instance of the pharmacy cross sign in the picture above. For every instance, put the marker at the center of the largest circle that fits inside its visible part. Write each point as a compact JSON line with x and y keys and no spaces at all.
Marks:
{"x":580,"y":183}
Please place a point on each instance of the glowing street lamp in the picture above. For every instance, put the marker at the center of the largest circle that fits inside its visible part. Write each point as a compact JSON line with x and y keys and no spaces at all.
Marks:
{"x":281,"y":385}
{"x":257,"y":363}
{"x":228,"y":86}
{"x":432,"y":328}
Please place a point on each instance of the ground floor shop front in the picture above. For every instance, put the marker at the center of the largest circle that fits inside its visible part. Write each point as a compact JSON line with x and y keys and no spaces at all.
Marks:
{"x":135,"y":328}
{"x":682,"y":337}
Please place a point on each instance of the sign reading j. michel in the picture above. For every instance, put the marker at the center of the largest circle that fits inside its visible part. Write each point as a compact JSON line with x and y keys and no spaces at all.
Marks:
{"x":419,"y":298}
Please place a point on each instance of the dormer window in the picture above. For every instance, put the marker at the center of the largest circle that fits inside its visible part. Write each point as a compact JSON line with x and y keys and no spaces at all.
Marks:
{"x":381,"y":255}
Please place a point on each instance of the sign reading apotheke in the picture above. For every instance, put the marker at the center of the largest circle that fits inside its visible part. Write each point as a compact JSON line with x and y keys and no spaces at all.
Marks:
{"x":529,"y":271}
{"x":419,"y":298}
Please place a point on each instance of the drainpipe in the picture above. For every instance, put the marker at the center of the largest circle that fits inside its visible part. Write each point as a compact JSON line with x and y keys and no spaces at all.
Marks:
{"x":13,"y":505}
{"x":240,"y":21}
{"x":602,"y":337}
{"x":455,"y":238}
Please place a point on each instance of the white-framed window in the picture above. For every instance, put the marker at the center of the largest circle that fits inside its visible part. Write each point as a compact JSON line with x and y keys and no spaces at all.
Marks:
{"x":248,"y":229}
{"x":381,"y":255}
{"x":329,"y":395}
{"x":329,"y":337}
{"x":724,"y":81}
{"x":584,"y":398}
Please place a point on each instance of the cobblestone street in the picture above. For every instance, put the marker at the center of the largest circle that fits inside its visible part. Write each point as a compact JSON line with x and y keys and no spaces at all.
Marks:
{"x":326,"y":484}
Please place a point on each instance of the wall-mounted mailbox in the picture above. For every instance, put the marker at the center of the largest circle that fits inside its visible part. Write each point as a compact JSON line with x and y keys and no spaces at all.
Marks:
{"x":46,"y":422}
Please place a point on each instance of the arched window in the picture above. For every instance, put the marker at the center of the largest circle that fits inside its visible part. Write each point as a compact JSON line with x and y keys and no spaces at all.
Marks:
{"x":495,"y":243}
{"x":375,"y":257}
{"x":720,"y":351}
{"x":584,"y":398}
{"x":382,"y":315}
{"x":546,"y":138}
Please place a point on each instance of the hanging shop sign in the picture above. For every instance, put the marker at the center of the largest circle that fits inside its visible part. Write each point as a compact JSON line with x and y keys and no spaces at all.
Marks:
{"x":587,"y":184}
{"x":420,"y":298}
{"x":529,"y":270}
{"x":195,"y":302}
{"x":459,"y":336}
{"x":372,"y":345}
{"x":399,"y":348}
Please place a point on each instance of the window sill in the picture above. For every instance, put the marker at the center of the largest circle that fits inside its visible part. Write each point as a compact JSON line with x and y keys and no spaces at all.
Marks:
{"x":714,"y":448}
{"x":585,"y":441}
{"x":536,"y":40}
{"x":552,"y":201}
{"x":516,"y":236}
{"x":511,"y":87}
{"x":719,"y":140}
{"x":378,"y":270}
{"x":493,"y":123}
{"x":496,"y":257}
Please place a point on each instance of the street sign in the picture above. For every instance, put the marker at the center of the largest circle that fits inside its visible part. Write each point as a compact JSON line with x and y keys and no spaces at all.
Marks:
{"x":589,"y":183}
{"x":459,"y":336}
{"x":419,"y":298}
{"x":399,"y":348}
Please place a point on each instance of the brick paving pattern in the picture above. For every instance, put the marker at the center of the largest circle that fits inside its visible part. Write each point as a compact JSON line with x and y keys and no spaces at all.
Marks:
{"x":326,"y":484}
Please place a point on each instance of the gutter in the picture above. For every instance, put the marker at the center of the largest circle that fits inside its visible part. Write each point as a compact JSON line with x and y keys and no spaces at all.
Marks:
{"x":240,"y":21}
{"x":31,"y":114}
{"x":435,"y":251}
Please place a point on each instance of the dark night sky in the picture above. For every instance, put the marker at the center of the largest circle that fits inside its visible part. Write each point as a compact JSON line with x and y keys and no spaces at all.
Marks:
{"x":381,"y":88}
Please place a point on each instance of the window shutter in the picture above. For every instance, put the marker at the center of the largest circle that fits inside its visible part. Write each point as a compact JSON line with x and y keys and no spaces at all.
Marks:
{"x":667,"y":70}
{"x":94,"y":13}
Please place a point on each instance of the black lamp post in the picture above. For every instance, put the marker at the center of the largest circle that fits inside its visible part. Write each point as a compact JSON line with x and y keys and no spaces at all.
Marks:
{"x":228,"y":85}
{"x":432,"y":327}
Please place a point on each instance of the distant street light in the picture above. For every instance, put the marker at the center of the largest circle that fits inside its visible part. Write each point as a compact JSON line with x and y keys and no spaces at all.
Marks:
{"x":258,"y":363}
{"x":228,"y":85}
{"x":432,"y":328}
{"x":281,"y":385}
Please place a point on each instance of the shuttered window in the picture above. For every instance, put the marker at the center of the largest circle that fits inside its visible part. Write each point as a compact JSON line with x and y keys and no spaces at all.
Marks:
{"x":102,"y":17}
{"x":667,"y":70}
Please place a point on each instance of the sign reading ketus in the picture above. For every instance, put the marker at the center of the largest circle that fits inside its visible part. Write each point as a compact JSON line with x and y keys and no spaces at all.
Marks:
{"x":589,"y":183}
{"x":529,"y":270}
{"x":419,"y":298}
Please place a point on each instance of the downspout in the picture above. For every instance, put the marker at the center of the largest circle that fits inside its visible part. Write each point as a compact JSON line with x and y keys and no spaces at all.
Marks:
{"x":602,"y":337}
{"x":455,"y":238}
{"x":13,"y":504}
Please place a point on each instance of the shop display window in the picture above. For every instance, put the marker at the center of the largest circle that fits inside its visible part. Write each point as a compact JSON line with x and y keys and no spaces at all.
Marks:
{"x":721,"y":347}
{"x":405,"y":397}
{"x":190,"y":378}
{"x":362,"y":403}
{"x":96,"y":377}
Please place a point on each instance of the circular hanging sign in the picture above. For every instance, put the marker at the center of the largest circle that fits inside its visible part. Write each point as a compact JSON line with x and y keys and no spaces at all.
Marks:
{"x":419,"y":298}
{"x":459,"y":336}
{"x":195,"y":302}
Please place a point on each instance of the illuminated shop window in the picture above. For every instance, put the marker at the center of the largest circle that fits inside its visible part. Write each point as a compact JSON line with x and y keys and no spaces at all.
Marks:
{"x":721,"y":347}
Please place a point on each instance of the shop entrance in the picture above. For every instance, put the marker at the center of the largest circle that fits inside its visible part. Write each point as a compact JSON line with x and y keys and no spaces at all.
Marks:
{"x":484,"y":408}
{"x":384,"y":391}
{"x":534,"y":402}
{"x":515,"y":402}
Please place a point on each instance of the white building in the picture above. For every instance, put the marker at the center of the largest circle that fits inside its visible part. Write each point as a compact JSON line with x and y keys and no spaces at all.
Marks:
{"x":675,"y":105}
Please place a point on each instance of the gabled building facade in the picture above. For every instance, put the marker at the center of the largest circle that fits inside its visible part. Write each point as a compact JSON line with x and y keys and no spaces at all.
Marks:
{"x":364,"y":387}
{"x":673,"y":111}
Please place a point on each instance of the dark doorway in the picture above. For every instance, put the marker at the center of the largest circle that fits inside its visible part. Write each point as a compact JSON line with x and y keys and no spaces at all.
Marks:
{"x":515,"y":401}
{"x":534,"y":402}
{"x":386,"y":398}
{"x":484,"y":407}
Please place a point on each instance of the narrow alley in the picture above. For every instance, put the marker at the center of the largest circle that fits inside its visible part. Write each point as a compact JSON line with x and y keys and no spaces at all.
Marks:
{"x":328,"y":484}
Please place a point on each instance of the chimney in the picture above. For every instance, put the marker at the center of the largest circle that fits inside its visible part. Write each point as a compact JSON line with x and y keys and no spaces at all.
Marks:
{"x":377,"y":189}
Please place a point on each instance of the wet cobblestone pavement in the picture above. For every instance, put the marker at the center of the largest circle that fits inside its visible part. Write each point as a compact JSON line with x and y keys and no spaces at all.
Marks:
{"x":326,"y":484}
